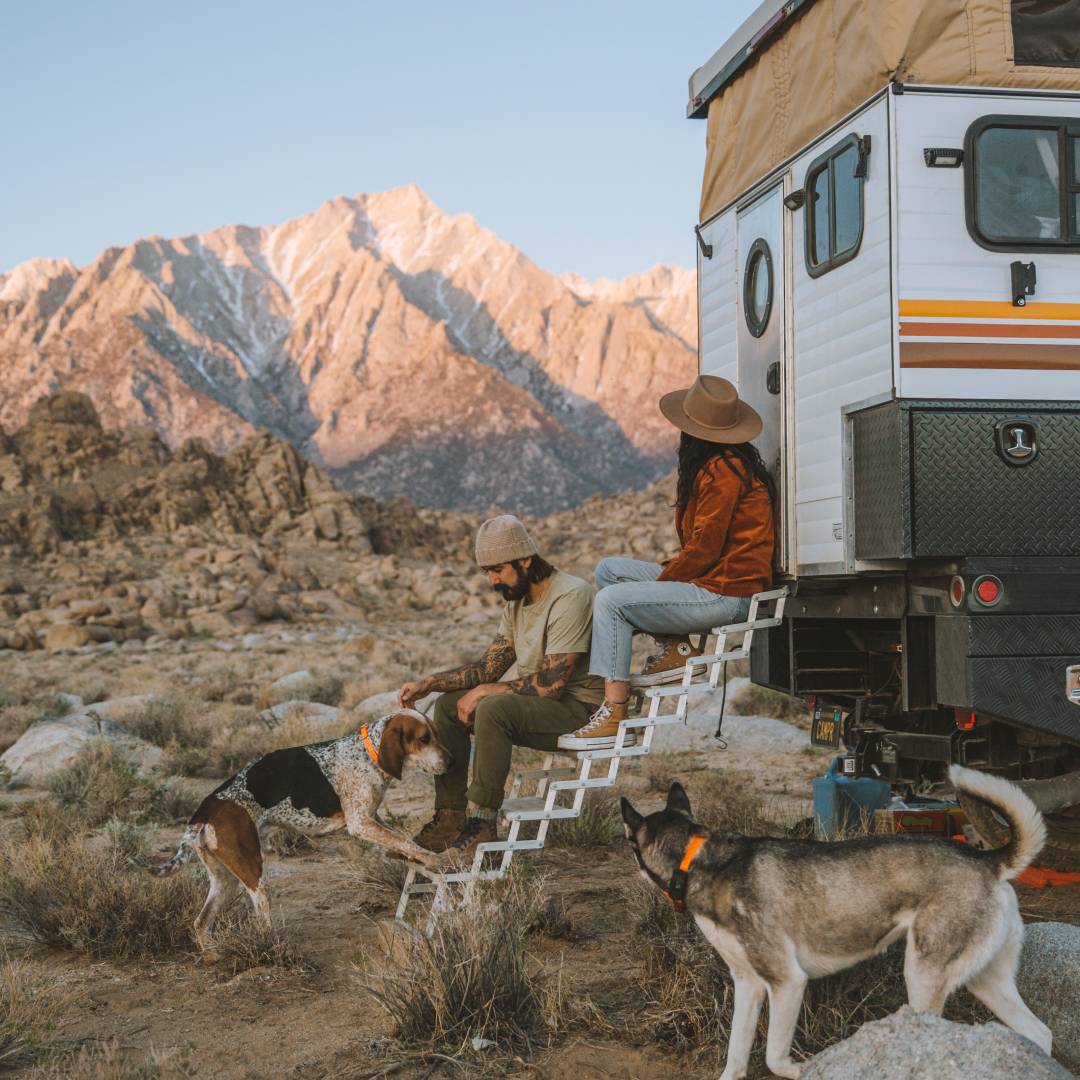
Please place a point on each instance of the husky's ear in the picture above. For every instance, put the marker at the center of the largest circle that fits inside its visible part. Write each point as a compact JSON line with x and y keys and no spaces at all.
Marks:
{"x":677,"y":799}
{"x":632,"y":820}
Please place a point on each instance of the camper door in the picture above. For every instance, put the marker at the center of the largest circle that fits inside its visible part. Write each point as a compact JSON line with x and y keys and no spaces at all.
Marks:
{"x":761,"y":328}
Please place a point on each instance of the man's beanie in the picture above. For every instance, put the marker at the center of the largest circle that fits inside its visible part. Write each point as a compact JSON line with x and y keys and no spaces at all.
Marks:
{"x":502,"y":539}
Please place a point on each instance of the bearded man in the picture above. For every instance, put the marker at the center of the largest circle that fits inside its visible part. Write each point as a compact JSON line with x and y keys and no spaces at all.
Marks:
{"x":546,"y":628}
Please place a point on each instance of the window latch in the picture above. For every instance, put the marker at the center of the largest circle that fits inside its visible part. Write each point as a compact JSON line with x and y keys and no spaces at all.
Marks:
{"x":772,"y":378}
{"x":1023,"y":282}
{"x":862,"y":166}
{"x":706,"y":249}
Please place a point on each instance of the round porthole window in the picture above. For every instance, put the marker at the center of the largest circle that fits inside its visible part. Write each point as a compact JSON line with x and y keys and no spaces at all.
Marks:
{"x":758,"y":287}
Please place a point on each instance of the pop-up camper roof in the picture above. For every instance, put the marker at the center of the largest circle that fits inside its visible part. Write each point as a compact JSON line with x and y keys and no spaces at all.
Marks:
{"x":796,"y":67}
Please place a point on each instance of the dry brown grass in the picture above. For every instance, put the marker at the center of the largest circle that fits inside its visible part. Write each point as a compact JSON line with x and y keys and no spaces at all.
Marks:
{"x":108,"y":1061}
{"x":76,"y":890}
{"x":598,"y":824}
{"x":242,"y":943}
{"x":30,"y":1013}
{"x":100,"y":784}
{"x":470,"y":980}
{"x":756,"y":700}
{"x":378,"y":878}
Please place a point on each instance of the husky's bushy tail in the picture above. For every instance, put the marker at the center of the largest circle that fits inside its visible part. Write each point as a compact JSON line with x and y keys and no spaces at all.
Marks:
{"x":183,"y":854}
{"x":1026,"y":825}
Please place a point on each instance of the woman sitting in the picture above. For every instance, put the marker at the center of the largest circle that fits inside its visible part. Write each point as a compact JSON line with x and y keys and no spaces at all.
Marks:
{"x":724,"y":513}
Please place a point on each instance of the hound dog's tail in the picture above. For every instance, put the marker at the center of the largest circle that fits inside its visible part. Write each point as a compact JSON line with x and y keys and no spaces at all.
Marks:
{"x":1026,"y":825}
{"x":184,"y":852}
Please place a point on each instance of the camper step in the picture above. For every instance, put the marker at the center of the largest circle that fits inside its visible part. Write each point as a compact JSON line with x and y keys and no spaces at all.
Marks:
{"x":532,"y":809}
{"x":561,"y":772}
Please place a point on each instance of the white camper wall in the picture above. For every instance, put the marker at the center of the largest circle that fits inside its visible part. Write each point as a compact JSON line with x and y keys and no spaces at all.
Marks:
{"x":718,"y":306}
{"x":842,"y":333}
{"x":946,"y":278}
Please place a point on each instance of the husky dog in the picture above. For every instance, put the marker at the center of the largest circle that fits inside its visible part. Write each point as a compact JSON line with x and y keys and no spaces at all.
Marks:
{"x":782,"y":912}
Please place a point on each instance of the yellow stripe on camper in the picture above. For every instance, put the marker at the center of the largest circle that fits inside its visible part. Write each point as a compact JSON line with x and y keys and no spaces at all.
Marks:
{"x":986,"y":309}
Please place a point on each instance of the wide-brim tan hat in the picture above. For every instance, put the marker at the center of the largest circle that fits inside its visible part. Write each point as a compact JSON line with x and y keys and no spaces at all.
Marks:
{"x":712,"y":410}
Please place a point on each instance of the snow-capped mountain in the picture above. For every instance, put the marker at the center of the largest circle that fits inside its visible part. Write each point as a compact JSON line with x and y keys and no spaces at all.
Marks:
{"x":407,"y":351}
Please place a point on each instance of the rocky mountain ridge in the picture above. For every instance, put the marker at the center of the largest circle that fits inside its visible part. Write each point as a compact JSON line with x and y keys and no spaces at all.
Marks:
{"x":405,"y":351}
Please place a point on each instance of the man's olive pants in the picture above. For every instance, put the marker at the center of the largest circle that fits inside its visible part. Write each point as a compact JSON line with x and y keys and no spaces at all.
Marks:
{"x":501,"y":722}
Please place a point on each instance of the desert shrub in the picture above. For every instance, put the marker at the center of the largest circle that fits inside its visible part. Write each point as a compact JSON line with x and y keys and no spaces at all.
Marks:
{"x":470,"y":979}
{"x":288,"y":842}
{"x":30,"y":1012}
{"x":241,"y":942}
{"x":598,"y":824}
{"x":235,"y":746}
{"x":166,"y":721}
{"x":728,"y":800}
{"x":101,"y":784}
{"x":79,"y":891}
{"x":106,"y":1061}
{"x":323,"y":687}
{"x":754,"y":700}
{"x":14,"y":720}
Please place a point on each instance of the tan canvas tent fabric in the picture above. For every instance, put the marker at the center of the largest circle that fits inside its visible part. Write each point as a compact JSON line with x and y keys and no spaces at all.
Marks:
{"x":838,"y":54}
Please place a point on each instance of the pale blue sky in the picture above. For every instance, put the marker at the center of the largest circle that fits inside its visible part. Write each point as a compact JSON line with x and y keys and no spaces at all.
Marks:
{"x":560,"y":125}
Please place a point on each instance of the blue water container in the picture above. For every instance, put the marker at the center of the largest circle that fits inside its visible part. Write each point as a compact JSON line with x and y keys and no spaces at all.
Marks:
{"x":842,"y":803}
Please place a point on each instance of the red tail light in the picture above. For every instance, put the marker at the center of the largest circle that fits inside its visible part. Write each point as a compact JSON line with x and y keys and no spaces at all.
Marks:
{"x":988,"y":590}
{"x":956,"y":591}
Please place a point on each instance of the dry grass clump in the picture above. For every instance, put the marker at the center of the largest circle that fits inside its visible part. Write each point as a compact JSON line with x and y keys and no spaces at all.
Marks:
{"x":101,"y":784}
{"x":727,"y":800}
{"x":166,"y":721}
{"x":470,"y":980}
{"x":378,"y":878}
{"x":597,"y":826}
{"x":756,"y":700}
{"x":79,"y":891}
{"x":288,"y":842}
{"x":30,"y":1012}
{"x":106,"y":1061}
{"x":242,"y":943}
{"x":14,"y":720}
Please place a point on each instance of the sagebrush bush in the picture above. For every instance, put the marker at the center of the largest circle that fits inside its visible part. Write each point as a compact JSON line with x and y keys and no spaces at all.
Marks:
{"x":166,"y":720}
{"x":598,"y":824}
{"x":241,"y":942}
{"x":470,"y":979}
{"x":378,"y":878}
{"x":756,"y":700}
{"x":79,"y":891}
{"x":100,"y":784}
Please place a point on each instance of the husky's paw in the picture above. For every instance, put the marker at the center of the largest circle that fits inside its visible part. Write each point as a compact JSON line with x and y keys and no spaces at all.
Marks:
{"x":786,"y":1068}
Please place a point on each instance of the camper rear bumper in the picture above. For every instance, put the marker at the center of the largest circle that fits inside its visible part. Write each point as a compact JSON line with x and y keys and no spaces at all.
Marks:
{"x":1012,"y":667}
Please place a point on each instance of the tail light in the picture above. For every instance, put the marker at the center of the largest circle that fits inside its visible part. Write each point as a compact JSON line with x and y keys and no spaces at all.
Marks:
{"x":988,"y":590}
{"x":957,"y":591}
{"x":966,"y":719}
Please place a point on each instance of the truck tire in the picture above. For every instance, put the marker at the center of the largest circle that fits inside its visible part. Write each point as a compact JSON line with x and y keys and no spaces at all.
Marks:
{"x":1062,"y":850}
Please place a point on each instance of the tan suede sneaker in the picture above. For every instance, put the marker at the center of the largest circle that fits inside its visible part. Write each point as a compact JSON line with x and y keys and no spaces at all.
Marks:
{"x":441,"y":830}
{"x":668,"y":665}
{"x":599,"y":733}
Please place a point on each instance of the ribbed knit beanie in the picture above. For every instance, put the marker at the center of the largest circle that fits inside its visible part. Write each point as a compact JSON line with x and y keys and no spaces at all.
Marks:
{"x":502,"y":539}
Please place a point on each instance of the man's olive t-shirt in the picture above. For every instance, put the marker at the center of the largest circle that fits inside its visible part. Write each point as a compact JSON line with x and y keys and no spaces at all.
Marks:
{"x":560,"y":622}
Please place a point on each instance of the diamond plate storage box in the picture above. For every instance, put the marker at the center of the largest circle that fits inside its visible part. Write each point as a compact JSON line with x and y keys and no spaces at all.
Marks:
{"x":934,"y":479}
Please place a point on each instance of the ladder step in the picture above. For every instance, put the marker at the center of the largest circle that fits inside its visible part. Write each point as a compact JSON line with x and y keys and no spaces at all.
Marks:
{"x":558,"y":773}
{"x":533,"y":810}
{"x":757,"y":624}
{"x":577,"y":785}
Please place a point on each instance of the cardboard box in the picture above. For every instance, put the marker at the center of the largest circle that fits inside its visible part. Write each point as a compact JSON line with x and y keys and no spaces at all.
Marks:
{"x":931,"y":821}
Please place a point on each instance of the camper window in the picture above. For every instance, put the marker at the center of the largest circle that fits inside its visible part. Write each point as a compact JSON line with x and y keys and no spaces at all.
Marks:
{"x":758,"y":287}
{"x":1022,"y":176}
{"x":834,"y":207}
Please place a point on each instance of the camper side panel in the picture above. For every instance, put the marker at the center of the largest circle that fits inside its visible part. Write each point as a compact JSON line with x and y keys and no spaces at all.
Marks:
{"x":961,"y":337}
{"x":718,"y":306}
{"x":842,"y":336}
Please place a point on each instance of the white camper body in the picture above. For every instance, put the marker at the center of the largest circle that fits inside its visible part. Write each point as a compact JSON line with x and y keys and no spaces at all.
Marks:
{"x":920,"y":311}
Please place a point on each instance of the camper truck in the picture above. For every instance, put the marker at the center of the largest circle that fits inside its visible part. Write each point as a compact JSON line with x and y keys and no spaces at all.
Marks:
{"x":889,"y":270}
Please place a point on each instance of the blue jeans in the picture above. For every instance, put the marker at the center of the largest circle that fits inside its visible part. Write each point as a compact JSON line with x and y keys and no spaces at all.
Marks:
{"x":631,"y":598}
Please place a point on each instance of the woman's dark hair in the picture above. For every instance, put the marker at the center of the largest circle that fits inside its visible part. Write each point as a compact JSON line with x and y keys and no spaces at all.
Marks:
{"x":538,"y":569}
{"x":742,"y":459}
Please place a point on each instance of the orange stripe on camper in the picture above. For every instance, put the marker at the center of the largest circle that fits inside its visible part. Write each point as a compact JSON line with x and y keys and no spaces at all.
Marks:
{"x":1002,"y":355}
{"x":988,"y":329}
{"x":985,"y":309}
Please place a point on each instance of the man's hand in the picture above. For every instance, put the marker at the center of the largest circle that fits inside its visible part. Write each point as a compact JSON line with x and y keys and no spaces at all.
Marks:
{"x":467,"y":703}
{"x":412,"y":692}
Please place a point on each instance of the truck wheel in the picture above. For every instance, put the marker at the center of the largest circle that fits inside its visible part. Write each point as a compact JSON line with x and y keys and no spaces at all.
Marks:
{"x":1062,"y":850}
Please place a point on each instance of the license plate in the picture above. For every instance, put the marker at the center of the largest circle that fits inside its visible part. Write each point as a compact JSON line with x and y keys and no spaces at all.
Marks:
{"x":825,"y":727}
{"x":1072,"y":683}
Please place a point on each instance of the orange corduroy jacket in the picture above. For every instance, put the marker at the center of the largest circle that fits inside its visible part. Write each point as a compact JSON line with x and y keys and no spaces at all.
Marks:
{"x":727,"y":534}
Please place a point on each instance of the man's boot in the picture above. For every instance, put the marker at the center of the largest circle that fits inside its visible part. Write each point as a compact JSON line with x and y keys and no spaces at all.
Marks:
{"x":476,"y":831}
{"x":444,"y":827}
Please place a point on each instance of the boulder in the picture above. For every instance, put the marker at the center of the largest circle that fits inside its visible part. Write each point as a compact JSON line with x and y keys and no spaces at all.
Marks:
{"x":293,"y":681}
{"x":1049,"y":981}
{"x":49,"y":746}
{"x":310,"y":712}
{"x":66,"y":636}
{"x":910,"y":1046}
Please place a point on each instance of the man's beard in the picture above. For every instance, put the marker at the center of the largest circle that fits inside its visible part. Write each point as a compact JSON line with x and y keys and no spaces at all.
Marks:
{"x":518,"y":591}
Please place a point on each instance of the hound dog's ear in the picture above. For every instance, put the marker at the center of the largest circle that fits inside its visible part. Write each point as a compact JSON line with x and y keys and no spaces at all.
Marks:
{"x":392,"y":745}
{"x":677,"y":799}
{"x":631,"y":818}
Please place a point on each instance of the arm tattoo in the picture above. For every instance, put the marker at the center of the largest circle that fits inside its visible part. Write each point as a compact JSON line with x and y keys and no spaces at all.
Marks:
{"x":493,"y":665}
{"x":550,"y":681}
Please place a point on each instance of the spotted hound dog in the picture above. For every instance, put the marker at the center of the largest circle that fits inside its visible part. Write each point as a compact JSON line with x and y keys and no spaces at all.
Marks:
{"x":318,"y":789}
